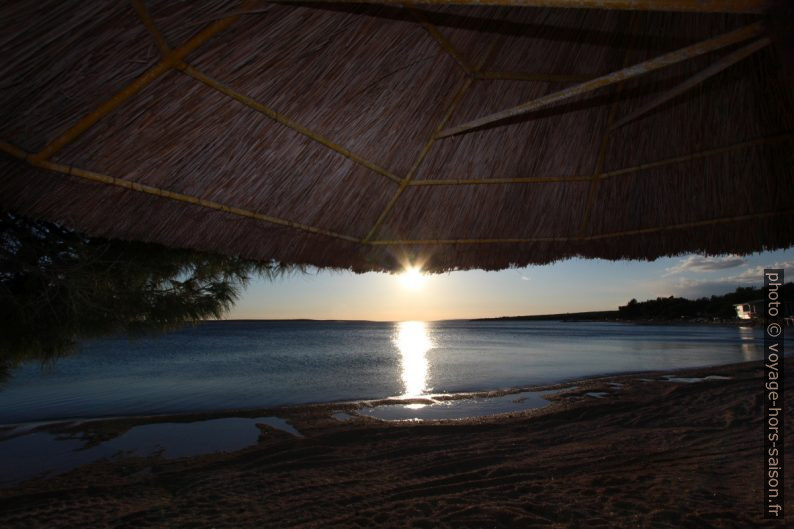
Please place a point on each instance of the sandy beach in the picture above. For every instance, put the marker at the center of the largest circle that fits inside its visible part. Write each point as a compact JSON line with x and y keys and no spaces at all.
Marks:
{"x":649,"y":453}
{"x":372,"y":263}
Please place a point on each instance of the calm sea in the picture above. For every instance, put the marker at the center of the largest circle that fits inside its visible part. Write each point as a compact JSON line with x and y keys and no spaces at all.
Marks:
{"x":246,"y":364}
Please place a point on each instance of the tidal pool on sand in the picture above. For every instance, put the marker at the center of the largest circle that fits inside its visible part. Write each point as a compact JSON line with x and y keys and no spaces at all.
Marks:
{"x":460,"y":408}
{"x":42,"y":453}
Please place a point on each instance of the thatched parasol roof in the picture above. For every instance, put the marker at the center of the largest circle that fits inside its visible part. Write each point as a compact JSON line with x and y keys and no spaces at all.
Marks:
{"x":365,"y":136}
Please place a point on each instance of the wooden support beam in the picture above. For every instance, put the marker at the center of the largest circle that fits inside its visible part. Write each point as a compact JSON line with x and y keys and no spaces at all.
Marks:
{"x":169,"y":62}
{"x":456,"y":100}
{"x":595,"y":182}
{"x":596,"y":237}
{"x":637,"y":70}
{"x":688,"y":225}
{"x":99,"y":178}
{"x":496,"y":181}
{"x":778,"y":138}
{"x":445,"y":44}
{"x":537,"y":77}
{"x":445,"y":242}
{"x":712,"y":70}
{"x":284,"y":120}
{"x":151,"y":27}
{"x":690,"y":6}
{"x":766,"y":140}
{"x":16,"y":152}
{"x":426,"y":149}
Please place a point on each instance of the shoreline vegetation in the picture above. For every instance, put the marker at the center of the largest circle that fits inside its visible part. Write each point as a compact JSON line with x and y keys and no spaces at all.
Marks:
{"x":648,"y":437}
{"x":666,"y":310}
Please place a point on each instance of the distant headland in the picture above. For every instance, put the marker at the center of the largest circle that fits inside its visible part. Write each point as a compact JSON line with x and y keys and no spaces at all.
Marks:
{"x":714,"y":309}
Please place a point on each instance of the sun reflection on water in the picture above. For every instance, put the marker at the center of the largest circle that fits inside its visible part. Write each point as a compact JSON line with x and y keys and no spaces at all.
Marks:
{"x":749,"y":347}
{"x":413,"y":342}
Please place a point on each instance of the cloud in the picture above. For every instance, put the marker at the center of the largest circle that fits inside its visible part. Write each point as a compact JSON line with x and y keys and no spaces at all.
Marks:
{"x":753,"y":276}
{"x":524,"y":278}
{"x":698,"y":263}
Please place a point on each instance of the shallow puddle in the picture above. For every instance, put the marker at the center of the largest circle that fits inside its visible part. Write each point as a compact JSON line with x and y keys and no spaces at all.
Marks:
{"x":42,"y":453}
{"x":689,"y":380}
{"x":461,"y":408}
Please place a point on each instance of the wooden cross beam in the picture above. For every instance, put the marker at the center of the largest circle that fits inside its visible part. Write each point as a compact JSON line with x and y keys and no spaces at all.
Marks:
{"x":637,"y":70}
{"x":710,"y":71}
{"x":141,"y":82}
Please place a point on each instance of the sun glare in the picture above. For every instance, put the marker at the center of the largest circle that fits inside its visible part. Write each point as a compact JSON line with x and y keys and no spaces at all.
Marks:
{"x":413,"y":342}
{"x":413,"y":278}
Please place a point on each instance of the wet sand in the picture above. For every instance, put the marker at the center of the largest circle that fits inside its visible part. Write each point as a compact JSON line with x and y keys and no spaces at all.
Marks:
{"x":645,"y":452}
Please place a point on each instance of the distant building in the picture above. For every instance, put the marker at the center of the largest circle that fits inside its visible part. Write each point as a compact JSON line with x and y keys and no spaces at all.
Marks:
{"x":749,"y":310}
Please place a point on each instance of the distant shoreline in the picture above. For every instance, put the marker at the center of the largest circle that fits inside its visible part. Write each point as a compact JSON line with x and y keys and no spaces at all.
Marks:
{"x":598,"y":315}
{"x":607,"y":316}
{"x":612,"y":316}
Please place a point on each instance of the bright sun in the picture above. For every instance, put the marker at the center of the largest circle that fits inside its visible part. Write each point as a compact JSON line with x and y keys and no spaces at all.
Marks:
{"x":412,"y":278}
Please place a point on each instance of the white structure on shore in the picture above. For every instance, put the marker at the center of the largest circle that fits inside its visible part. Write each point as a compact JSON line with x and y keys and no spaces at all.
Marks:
{"x":749,"y":310}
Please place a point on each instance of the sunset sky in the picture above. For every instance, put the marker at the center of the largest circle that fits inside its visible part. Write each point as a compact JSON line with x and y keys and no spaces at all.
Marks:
{"x":567,"y":286}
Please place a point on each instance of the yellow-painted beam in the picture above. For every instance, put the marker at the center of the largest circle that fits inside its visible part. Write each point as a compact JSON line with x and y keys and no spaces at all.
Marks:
{"x":537,"y":77}
{"x":712,"y":70}
{"x":496,"y":181}
{"x":284,"y":120}
{"x":165,"y":193}
{"x":457,"y":99}
{"x":136,"y":86}
{"x":151,"y":27}
{"x":619,"y":76}
{"x":600,"y":236}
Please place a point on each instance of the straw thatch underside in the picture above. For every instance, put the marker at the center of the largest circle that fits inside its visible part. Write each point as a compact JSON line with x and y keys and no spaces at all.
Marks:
{"x":308,"y":133}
